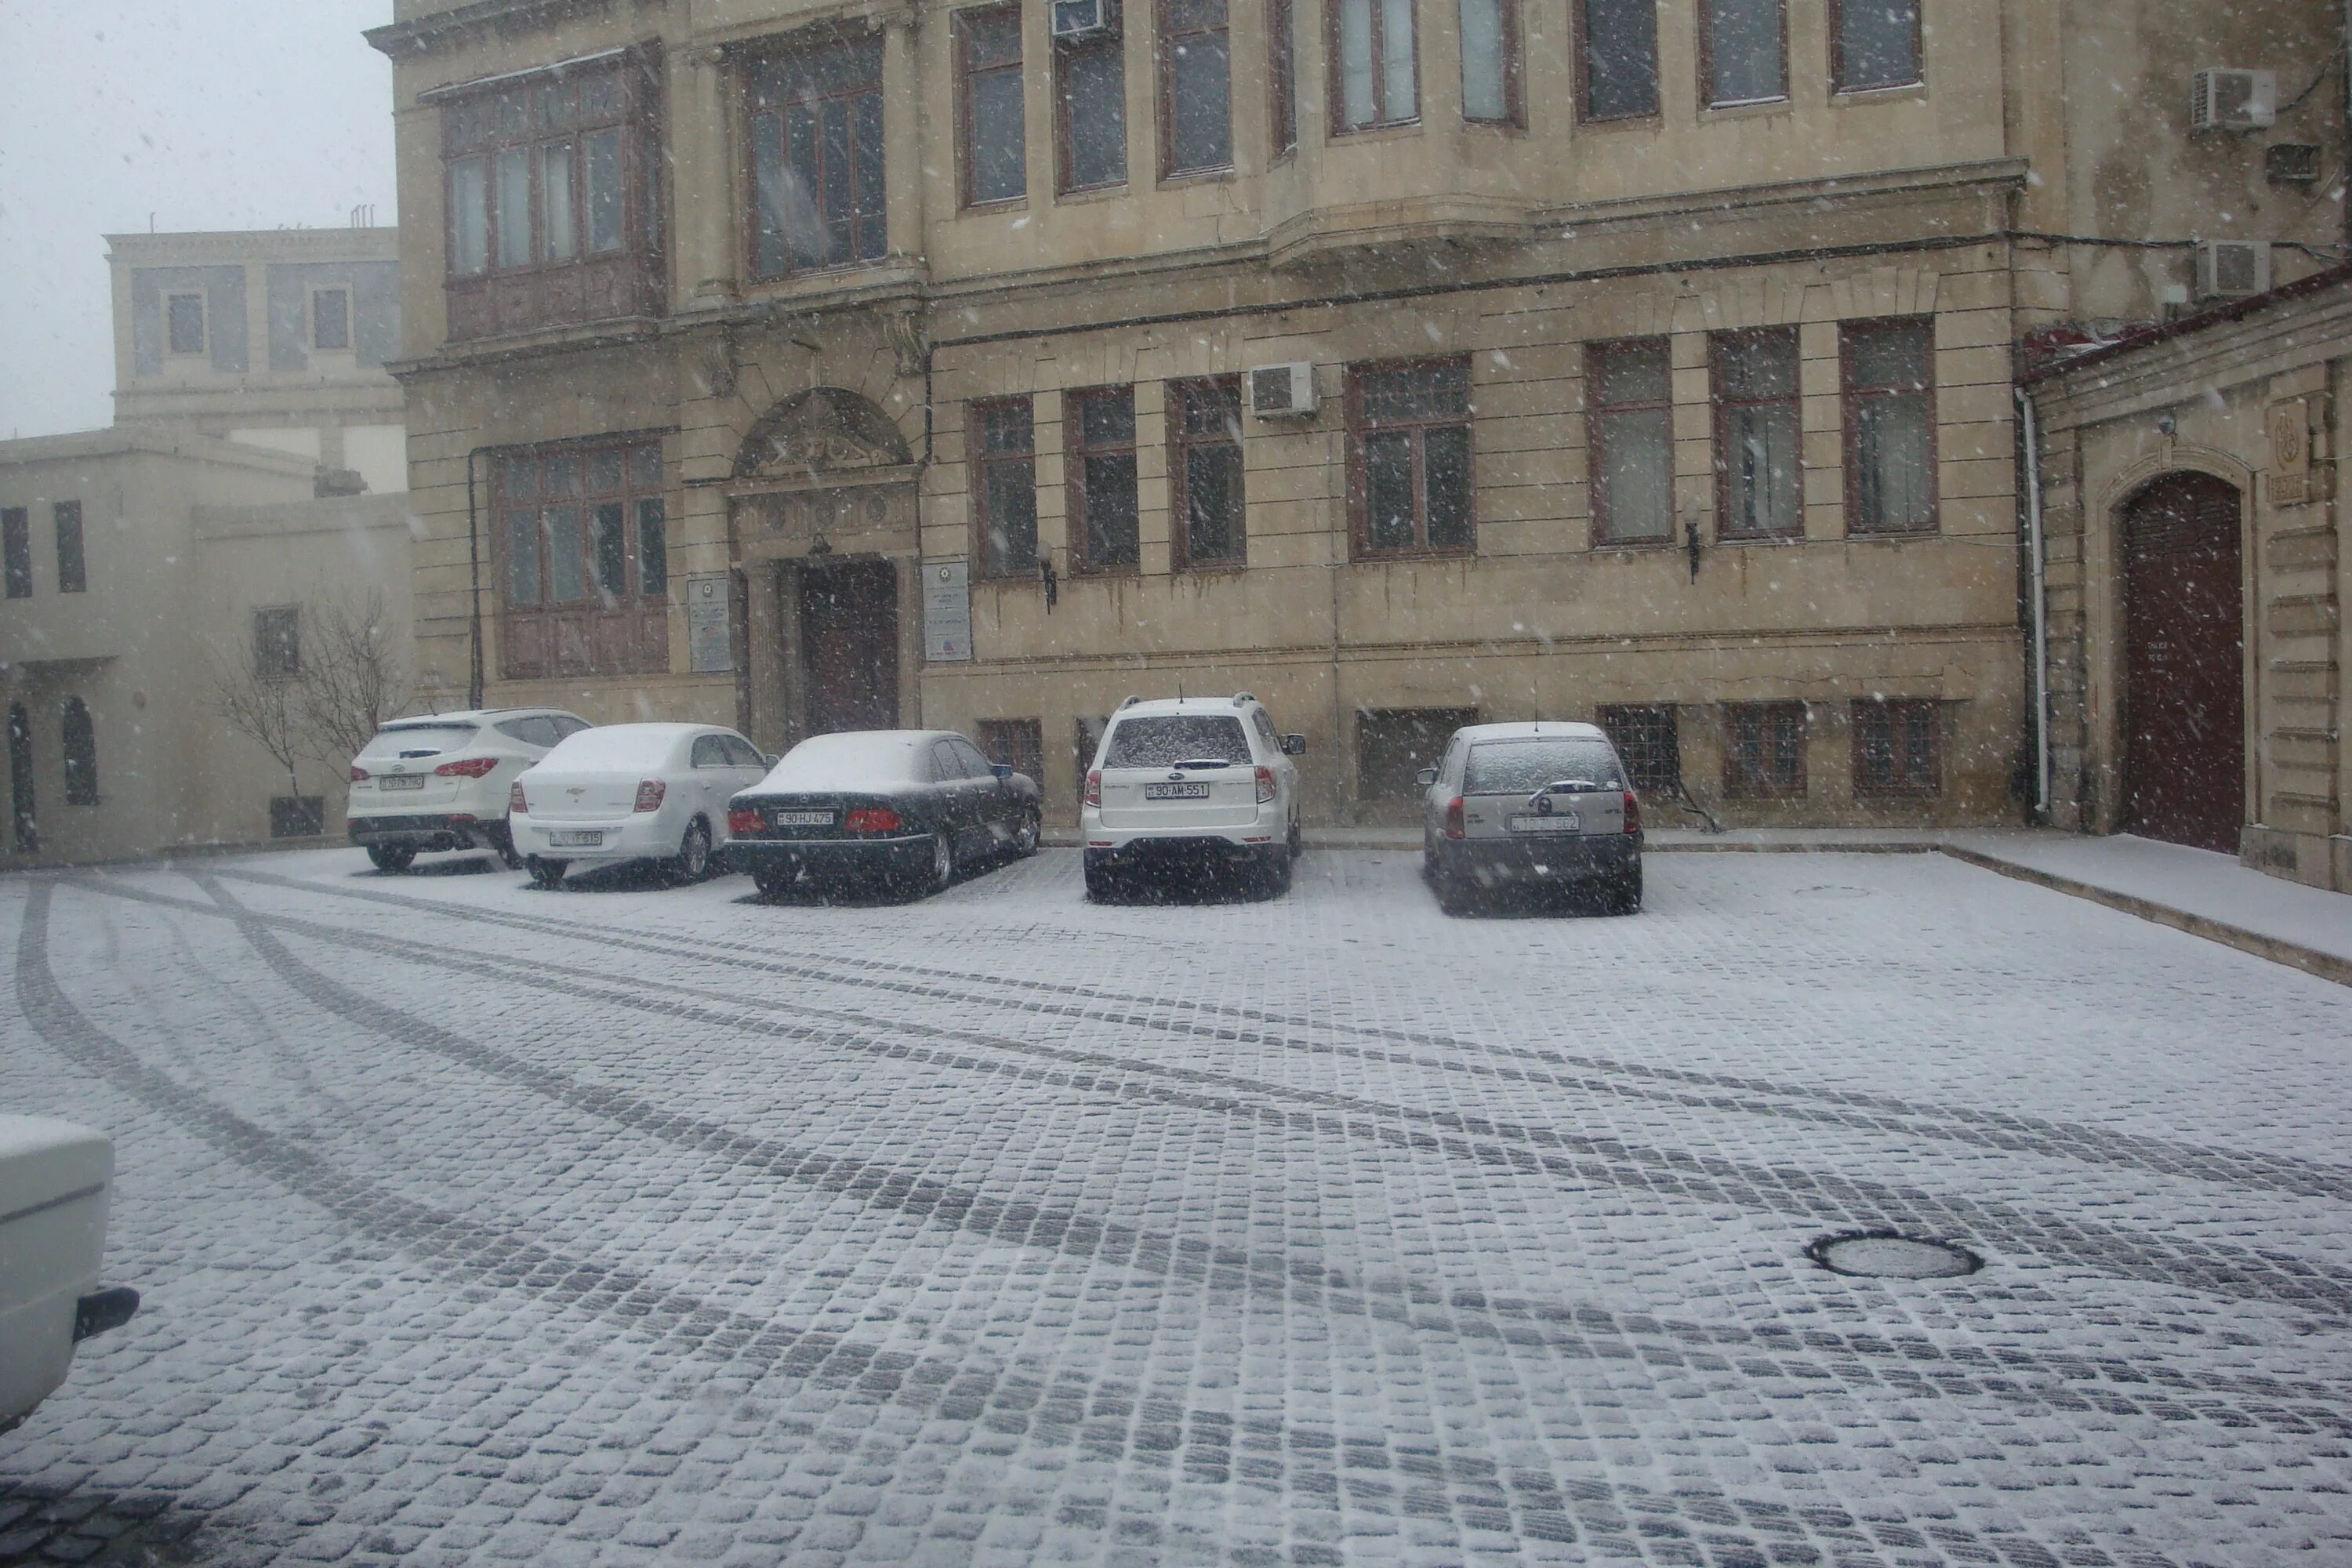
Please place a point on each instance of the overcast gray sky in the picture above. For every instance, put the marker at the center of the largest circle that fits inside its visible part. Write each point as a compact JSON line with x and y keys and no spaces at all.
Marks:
{"x":206,"y":114}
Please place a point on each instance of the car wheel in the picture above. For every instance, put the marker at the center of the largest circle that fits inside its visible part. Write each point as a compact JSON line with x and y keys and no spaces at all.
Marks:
{"x":392,"y":857}
{"x":692,"y":861}
{"x":943,"y":869}
{"x":1273,"y":874}
{"x":1101,"y":883}
{"x":1453,"y":891}
{"x":1025,"y":836}
{"x":1624,"y":892}
{"x":773,"y":881}
{"x":1297,"y":841}
{"x":546,"y":873}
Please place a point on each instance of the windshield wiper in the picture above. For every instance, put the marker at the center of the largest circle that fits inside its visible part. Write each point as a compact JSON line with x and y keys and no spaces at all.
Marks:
{"x":1205,"y":763}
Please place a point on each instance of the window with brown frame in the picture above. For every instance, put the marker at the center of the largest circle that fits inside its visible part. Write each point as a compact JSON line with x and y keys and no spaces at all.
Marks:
{"x":1282,"y":75}
{"x":1409,"y":458}
{"x":1889,"y":373}
{"x":1205,"y":464}
{"x":1004,"y":486}
{"x":1629,"y":401}
{"x":1616,"y":60}
{"x":73,"y":566}
{"x":581,"y":553}
{"x":1743,"y":52}
{"x":995,"y":153}
{"x":1759,"y":491}
{"x":1764,"y":751}
{"x":1098,"y":431}
{"x":1196,"y":88}
{"x":554,"y":190}
{"x":1874,"y":44}
{"x":1015,"y":743}
{"x":1897,"y":748}
{"x":1090,"y":109}
{"x":1490,"y":62}
{"x":815,"y":120}
{"x":1375,"y":64}
{"x":1648,"y":744}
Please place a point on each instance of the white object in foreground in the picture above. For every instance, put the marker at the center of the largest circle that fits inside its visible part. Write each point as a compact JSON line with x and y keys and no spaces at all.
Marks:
{"x":55,"y":1179}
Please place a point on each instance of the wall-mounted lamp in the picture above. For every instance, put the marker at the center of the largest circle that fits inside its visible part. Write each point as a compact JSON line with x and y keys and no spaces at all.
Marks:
{"x":1052,"y":584}
{"x":1690,"y":541}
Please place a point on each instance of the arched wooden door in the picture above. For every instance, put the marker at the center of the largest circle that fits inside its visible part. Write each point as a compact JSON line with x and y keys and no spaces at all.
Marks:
{"x":2184,"y":706}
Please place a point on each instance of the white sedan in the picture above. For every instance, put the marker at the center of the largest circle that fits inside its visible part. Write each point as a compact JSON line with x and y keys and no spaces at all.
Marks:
{"x":631,"y":792}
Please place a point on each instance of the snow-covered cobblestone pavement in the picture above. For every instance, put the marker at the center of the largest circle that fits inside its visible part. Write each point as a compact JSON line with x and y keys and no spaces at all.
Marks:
{"x":635,"y":1224}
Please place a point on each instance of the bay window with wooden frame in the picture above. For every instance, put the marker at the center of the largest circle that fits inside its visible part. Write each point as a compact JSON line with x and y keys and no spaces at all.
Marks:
{"x":554,"y":190}
{"x":1763,"y":751}
{"x":1629,"y":419}
{"x":1743,"y":52}
{"x":1616,"y":60}
{"x":1899,"y":750}
{"x":1098,"y":436}
{"x":1888,"y":372}
{"x":1090,"y":109}
{"x":1205,"y":483}
{"x":1491,"y":69}
{"x":1375,"y":65}
{"x":1409,"y":483}
{"x":1874,"y":45}
{"x":1003,"y":439}
{"x":1758,"y":480}
{"x":813,"y":116}
{"x":1196,"y":88}
{"x":993,"y":150}
{"x":580,"y":551}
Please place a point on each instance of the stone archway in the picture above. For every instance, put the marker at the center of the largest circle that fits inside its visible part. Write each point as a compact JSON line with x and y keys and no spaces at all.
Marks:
{"x":823,"y":431}
{"x":2184,"y":711}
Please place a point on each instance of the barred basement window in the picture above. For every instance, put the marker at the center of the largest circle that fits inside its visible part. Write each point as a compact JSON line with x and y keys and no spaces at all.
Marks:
{"x":1015,"y":743}
{"x":1897,"y":748}
{"x":1004,"y":486}
{"x":1098,"y":429}
{"x":1647,"y":741}
{"x":1764,"y":751}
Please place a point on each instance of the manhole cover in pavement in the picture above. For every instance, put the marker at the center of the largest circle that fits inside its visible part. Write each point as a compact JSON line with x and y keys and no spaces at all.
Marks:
{"x":1887,"y":1255}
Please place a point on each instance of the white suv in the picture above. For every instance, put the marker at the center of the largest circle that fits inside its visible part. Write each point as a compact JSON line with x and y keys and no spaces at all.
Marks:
{"x":440,"y":782}
{"x":1197,"y":779}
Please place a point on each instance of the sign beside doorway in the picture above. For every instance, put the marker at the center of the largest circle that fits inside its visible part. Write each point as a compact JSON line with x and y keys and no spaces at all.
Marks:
{"x":947,"y":612}
{"x":710,"y":629}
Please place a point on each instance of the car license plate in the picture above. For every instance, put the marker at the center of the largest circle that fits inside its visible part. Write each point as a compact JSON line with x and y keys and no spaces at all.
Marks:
{"x":401,"y":781}
{"x":582,"y":840}
{"x":802,"y":818}
{"x":1176,"y":792}
{"x":1557,"y":822}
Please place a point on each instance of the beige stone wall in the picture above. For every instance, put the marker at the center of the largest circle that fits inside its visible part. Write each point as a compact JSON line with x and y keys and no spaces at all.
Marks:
{"x":2115,"y":426}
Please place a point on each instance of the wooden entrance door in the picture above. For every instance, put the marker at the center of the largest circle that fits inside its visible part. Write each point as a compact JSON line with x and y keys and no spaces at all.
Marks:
{"x":2184,"y":664}
{"x":849,"y":646}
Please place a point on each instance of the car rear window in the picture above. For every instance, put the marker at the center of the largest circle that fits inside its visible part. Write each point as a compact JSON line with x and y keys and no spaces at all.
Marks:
{"x":1163,"y":740}
{"x":1523,"y":767}
{"x":420,"y":739}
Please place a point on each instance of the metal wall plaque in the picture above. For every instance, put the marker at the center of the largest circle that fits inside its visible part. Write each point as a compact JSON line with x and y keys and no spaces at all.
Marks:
{"x":709,"y":628}
{"x":947,"y":612}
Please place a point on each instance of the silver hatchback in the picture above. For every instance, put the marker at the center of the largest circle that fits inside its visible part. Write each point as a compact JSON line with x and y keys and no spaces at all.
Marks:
{"x":1528,"y":804}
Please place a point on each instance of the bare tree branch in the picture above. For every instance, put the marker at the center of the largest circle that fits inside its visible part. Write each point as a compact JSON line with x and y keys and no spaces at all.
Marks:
{"x":354,"y":678}
{"x":263,"y":706}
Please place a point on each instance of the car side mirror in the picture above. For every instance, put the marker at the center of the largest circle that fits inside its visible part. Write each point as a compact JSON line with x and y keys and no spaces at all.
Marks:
{"x":1427,"y":777}
{"x":1294,"y":745}
{"x":768,"y":762}
{"x":1001,"y":770}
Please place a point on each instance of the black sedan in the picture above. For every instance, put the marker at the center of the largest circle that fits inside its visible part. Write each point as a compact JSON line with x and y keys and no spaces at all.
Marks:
{"x":897,"y":809}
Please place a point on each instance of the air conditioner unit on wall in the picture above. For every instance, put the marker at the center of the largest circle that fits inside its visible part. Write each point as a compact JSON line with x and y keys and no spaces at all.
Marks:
{"x":2222,"y":98}
{"x":1084,"y":18}
{"x":1282,"y":391}
{"x":2233,"y":268}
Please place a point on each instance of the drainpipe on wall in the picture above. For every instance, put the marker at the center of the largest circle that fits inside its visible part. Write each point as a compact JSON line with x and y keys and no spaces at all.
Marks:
{"x":2040,"y":602}
{"x":476,"y":694}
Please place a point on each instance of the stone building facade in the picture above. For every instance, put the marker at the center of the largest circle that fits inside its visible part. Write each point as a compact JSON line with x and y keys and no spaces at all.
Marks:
{"x":809,"y":365}
{"x":2196,"y":578}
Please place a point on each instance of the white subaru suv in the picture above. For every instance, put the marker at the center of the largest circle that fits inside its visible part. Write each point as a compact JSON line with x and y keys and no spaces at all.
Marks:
{"x":440,"y":781}
{"x":1192,"y":779}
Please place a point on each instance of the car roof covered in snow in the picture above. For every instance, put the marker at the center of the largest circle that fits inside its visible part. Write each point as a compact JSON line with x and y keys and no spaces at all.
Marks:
{"x":622,"y":745}
{"x":1533,"y":730}
{"x":857,"y":759}
{"x":471,"y":715}
{"x":1159,"y":707}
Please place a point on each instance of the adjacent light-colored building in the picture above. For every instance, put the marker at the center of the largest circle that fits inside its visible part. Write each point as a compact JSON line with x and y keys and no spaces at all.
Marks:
{"x":812,"y":365}
{"x":254,"y":481}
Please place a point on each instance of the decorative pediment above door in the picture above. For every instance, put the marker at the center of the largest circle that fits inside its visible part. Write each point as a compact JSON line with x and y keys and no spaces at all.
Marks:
{"x":822,"y":432}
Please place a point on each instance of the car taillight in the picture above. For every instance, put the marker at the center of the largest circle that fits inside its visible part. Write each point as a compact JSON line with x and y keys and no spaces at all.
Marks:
{"x":515,"y":801}
{"x":1094,"y":787}
{"x":871,"y":819}
{"x":471,"y":768}
{"x":359,"y":773}
{"x":1633,"y":813}
{"x":1454,"y":828}
{"x":745,"y":819}
{"x":1265,"y":786}
{"x":649,"y":794}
